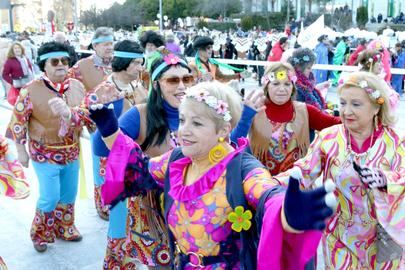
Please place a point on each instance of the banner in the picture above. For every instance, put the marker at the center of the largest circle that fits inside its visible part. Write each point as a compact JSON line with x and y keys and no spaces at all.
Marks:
{"x":309,"y":37}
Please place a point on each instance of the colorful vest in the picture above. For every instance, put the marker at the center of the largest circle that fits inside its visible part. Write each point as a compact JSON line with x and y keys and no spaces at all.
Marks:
{"x":44,"y":125}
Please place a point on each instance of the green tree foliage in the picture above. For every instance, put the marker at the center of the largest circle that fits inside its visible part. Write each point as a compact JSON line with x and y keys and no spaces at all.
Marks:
{"x":145,"y":11}
{"x":362,"y":16}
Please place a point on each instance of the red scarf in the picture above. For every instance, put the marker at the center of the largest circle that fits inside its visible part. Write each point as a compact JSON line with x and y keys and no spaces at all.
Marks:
{"x":60,"y":87}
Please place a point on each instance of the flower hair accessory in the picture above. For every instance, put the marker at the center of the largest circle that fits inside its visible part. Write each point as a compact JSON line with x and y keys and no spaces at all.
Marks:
{"x":375,"y":58}
{"x":220,"y":106}
{"x":373,"y":93}
{"x":168,"y":60}
{"x":279,"y":75}
{"x":171,"y":59}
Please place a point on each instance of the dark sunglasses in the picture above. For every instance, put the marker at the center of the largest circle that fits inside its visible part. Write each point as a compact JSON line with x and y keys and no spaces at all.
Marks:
{"x":187,"y":79}
{"x":55,"y":61}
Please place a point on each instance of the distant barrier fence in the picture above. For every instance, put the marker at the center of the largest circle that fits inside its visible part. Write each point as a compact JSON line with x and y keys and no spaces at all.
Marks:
{"x":399,"y":71}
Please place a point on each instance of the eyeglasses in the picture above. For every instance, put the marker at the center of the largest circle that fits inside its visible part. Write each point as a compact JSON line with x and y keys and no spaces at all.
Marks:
{"x":55,"y":61}
{"x":187,"y":80}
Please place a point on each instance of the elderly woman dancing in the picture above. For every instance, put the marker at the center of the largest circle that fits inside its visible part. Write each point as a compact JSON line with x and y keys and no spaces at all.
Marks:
{"x":364,"y":157}
{"x":207,"y":215}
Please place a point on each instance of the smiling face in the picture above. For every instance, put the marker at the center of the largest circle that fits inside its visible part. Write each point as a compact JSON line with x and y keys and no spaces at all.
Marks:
{"x":356,"y":110}
{"x":17,"y":50}
{"x":174,"y":92}
{"x":279,"y":91}
{"x":198,"y":132}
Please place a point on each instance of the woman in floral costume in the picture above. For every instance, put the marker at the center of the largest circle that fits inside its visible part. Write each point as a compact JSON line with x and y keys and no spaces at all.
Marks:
{"x":280,"y":135}
{"x":375,"y":192}
{"x":208,"y":215}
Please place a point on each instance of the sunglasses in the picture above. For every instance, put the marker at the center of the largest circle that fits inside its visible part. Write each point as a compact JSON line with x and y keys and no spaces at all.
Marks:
{"x":187,"y":79}
{"x":55,"y":61}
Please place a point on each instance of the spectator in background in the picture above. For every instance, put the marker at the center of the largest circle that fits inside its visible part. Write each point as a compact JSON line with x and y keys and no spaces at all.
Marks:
{"x":398,"y":62}
{"x":379,"y":18}
{"x":321,"y":52}
{"x":171,"y":45}
{"x":339,"y":57}
{"x":353,"y":57}
{"x":278,"y":49}
{"x":18,"y":70}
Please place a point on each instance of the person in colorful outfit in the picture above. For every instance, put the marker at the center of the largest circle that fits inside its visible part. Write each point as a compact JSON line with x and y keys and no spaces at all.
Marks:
{"x":371,"y":61}
{"x":321,"y":51}
{"x":209,"y":217}
{"x":360,"y":48}
{"x":374,"y":194}
{"x":339,"y":57}
{"x":48,"y":112}
{"x":13,"y":182}
{"x":302,"y":60}
{"x":385,"y":58}
{"x":154,"y":126}
{"x":280,"y":134}
{"x":92,"y":71}
{"x":152,"y":43}
{"x":123,"y":88}
{"x":205,"y":68}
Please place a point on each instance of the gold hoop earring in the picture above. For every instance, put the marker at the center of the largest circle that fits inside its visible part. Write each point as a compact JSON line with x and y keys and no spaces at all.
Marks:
{"x":217,"y":152}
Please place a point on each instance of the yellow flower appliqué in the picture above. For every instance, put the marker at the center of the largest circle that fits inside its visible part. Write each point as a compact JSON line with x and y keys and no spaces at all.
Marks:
{"x":240,"y":219}
{"x":281,"y":75}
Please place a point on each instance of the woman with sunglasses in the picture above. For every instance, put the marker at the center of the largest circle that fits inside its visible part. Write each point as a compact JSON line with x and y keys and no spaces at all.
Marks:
{"x":124,"y":89}
{"x":48,"y":114}
{"x":153,"y":126}
{"x":92,"y":71}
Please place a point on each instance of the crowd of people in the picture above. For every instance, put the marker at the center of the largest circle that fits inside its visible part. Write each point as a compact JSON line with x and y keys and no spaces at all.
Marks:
{"x":191,"y":173}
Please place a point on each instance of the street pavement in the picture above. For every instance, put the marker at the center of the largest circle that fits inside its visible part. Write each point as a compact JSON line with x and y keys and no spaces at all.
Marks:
{"x":16,"y":216}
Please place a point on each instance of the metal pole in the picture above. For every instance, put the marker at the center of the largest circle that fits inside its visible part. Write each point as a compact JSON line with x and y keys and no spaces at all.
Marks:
{"x":10,"y":14}
{"x":161,"y":16}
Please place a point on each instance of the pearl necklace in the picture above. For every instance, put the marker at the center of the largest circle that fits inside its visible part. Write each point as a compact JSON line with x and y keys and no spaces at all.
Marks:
{"x":359,"y":155}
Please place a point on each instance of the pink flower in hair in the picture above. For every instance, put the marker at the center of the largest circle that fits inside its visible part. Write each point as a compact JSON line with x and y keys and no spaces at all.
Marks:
{"x":222,"y":107}
{"x":341,"y":81}
{"x":369,"y":90}
{"x":171,"y":59}
{"x":292,"y":77}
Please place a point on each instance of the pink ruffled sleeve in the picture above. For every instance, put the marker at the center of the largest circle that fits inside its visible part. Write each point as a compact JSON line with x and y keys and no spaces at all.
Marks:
{"x":280,"y":250}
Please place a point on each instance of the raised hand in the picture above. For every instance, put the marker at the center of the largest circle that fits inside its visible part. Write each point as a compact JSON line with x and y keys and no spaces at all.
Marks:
{"x":105,"y":119}
{"x":255,"y":100}
{"x":307,"y":210}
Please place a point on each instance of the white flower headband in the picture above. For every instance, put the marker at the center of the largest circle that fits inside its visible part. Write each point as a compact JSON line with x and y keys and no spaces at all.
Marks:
{"x":220,"y":106}
{"x":373,"y":93}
